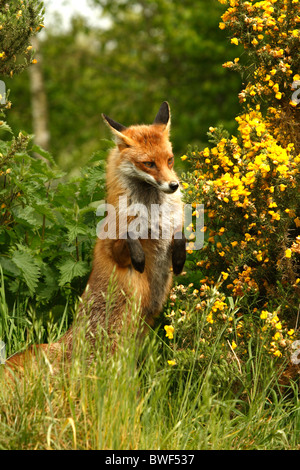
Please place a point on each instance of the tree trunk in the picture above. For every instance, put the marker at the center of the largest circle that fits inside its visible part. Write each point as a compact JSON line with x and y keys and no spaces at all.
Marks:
{"x":39,"y":100}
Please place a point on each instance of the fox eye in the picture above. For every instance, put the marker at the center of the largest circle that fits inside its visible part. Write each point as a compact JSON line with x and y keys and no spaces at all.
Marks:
{"x":149,"y":164}
{"x":171,"y":161}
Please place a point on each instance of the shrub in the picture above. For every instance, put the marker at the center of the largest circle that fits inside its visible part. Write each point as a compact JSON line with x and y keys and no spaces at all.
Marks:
{"x":249,"y":185}
{"x":19,"y":21}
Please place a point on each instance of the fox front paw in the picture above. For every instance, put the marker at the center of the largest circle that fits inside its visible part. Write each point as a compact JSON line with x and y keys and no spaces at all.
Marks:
{"x":178,"y":255}
{"x":138,"y":261}
{"x":137,"y":254}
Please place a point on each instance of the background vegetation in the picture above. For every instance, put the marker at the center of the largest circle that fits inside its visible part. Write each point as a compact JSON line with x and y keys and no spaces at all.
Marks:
{"x":215,"y":373}
{"x":172,"y":51}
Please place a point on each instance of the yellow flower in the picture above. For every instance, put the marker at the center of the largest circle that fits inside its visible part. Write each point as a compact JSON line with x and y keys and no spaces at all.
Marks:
{"x":288,"y":253}
{"x":169,"y":331}
{"x":209,"y":318}
{"x":278,"y":95}
{"x":234,"y":41}
{"x":291,"y":332}
{"x":233,"y":344}
{"x":264,"y":315}
{"x":275,"y":215}
{"x":184,"y":157}
{"x":172,"y":362}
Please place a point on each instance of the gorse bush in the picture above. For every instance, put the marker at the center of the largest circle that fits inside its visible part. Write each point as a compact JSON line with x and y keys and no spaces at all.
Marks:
{"x":269,"y":33}
{"x":249,"y":183}
{"x":19,"y":21}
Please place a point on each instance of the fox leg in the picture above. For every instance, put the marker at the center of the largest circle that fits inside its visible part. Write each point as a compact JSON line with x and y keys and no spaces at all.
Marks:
{"x":178,"y":254}
{"x":129,"y":251}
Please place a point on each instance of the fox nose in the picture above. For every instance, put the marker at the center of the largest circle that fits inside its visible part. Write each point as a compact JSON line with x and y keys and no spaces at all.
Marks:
{"x":173,"y":185}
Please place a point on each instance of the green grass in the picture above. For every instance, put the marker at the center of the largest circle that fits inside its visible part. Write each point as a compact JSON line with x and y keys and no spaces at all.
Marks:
{"x":135,"y":400}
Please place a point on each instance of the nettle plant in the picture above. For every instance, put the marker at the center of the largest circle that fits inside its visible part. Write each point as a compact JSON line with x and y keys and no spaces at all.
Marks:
{"x":249,"y":183}
{"x":48,"y":225}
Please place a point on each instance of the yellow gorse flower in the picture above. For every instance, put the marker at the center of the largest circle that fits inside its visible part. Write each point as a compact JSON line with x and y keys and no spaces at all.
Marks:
{"x":169,"y":331}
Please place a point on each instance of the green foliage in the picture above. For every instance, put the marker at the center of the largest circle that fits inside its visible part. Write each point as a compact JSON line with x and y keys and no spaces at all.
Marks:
{"x":48,"y":225}
{"x":173,"y":50}
{"x":19,"y":21}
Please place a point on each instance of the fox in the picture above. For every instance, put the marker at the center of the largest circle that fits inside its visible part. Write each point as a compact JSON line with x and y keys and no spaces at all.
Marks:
{"x":145,"y":250}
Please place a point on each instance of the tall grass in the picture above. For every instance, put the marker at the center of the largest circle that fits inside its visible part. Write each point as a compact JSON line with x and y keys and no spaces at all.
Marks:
{"x":134,"y":399}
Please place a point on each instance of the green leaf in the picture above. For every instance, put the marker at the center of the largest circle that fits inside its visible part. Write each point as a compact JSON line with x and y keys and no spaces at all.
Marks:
{"x":37,"y":149}
{"x":49,"y":286}
{"x":101,"y":154}
{"x":231,"y":302}
{"x":26,"y":214}
{"x":70,"y":269}
{"x":9,"y":267}
{"x":76,"y":229}
{"x":5,"y":127}
{"x":29,"y":268}
{"x":93,"y":180}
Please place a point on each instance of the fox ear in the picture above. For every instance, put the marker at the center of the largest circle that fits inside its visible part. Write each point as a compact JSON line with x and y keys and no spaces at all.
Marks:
{"x":163,"y":116}
{"x":113,"y":124}
{"x":117,"y":129}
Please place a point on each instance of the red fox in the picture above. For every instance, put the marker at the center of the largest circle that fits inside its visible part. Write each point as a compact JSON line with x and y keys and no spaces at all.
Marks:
{"x":140,"y":173}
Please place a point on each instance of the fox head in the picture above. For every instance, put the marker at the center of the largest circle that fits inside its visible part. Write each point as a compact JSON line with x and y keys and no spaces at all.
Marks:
{"x":145,"y":151}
